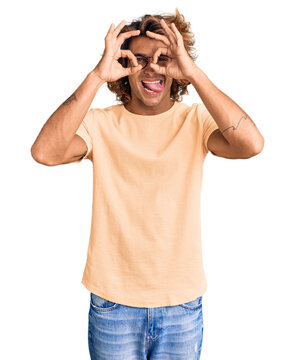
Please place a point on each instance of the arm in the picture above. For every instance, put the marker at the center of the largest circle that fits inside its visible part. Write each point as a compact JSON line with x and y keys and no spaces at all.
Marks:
{"x":52,"y":144}
{"x":57,"y":142}
{"x":237,"y":136}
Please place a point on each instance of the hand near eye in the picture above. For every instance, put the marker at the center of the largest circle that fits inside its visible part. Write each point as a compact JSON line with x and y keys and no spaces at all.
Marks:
{"x":109,"y":69}
{"x":181,"y":65}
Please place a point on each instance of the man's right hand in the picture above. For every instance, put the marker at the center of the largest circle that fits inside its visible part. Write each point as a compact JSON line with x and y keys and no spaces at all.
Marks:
{"x":109,"y":69}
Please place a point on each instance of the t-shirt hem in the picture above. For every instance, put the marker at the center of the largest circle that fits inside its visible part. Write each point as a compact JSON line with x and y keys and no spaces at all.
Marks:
{"x":127,"y":301}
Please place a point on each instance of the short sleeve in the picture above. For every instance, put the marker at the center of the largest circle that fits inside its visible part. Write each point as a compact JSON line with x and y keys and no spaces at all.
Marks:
{"x":84,"y":131}
{"x":208,"y":124}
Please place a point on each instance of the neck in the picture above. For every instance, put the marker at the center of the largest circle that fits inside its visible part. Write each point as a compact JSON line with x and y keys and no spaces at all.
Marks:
{"x":140,"y":108}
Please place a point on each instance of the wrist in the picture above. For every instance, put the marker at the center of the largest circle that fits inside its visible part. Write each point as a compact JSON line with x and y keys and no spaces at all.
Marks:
{"x":196,"y":75}
{"x":96,"y":75}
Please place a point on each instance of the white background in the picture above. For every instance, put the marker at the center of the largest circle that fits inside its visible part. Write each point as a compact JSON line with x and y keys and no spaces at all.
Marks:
{"x":246,"y":48}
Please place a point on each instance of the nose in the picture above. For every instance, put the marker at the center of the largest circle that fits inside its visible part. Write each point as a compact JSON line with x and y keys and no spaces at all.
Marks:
{"x":148,"y":69}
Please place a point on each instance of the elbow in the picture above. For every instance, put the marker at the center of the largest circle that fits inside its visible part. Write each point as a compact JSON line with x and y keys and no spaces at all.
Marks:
{"x":39,"y":158}
{"x":257,"y":147}
{"x":35,"y":155}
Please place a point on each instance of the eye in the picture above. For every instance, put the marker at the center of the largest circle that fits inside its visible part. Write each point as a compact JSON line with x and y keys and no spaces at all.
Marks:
{"x":140,"y":58}
{"x":163,"y":58}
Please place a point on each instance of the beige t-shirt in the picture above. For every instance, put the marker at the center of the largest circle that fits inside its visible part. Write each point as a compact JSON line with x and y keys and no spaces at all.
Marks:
{"x":145,"y":241}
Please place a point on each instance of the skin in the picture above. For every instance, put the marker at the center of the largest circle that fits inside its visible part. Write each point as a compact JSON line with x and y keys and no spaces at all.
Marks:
{"x":181,"y":67}
{"x":142,"y":103}
{"x":153,"y":45}
{"x":234,"y":138}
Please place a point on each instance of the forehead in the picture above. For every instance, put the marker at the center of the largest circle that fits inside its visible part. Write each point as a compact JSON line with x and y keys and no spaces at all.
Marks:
{"x":145,"y":45}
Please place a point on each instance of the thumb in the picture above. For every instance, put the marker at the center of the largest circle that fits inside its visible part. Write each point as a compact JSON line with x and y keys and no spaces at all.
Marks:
{"x":158,"y":69}
{"x":132,"y":70}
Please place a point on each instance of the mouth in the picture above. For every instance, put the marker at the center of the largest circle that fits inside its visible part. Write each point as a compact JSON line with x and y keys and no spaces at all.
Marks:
{"x":152,"y":87}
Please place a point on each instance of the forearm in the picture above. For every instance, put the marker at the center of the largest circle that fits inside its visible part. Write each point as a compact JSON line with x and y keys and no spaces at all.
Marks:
{"x":235,"y":124}
{"x":59,"y":130}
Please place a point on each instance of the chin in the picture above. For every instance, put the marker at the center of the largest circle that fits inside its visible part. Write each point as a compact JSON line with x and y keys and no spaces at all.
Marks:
{"x":147,"y":100}
{"x":152,"y":102}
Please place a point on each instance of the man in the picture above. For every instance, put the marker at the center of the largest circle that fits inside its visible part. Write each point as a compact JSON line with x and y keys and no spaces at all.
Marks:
{"x":144,"y":265}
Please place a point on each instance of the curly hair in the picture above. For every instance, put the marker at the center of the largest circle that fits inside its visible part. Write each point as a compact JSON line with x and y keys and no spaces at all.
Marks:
{"x":121,"y":87}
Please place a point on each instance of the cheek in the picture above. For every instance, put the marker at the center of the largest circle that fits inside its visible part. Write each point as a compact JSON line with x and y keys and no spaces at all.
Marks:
{"x":169,"y":84}
{"x":132,"y":81}
{"x":130,"y":78}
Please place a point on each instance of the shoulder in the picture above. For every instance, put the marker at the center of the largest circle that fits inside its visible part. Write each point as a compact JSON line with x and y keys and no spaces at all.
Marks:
{"x":192,"y":112}
{"x":96,"y":115}
{"x":194,"y":107}
{"x":106,"y":112}
{"x":199,"y":112}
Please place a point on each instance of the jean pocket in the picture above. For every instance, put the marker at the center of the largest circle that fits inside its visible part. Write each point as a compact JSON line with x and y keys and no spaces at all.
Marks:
{"x":193,"y":304}
{"x":100,"y":304}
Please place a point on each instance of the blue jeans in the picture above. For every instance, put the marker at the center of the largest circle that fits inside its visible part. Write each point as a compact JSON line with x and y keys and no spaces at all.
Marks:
{"x":120,"y":332}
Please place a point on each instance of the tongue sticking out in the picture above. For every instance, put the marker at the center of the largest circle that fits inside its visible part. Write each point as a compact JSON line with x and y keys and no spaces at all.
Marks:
{"x":154,"y":87}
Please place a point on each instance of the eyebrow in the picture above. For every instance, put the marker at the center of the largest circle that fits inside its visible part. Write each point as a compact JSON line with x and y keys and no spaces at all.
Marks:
{"x":138,"y":54}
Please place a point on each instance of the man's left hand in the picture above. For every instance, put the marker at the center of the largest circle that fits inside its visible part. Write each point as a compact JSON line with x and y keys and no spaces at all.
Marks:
{"x":181,"y":65}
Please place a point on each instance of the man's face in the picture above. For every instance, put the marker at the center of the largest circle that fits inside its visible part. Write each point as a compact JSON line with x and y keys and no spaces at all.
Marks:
{"x":139,"y":96}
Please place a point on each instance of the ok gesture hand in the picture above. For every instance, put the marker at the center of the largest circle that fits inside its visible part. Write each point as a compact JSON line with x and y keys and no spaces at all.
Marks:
{"x":109,"y":69}
{"x":181,"y":65}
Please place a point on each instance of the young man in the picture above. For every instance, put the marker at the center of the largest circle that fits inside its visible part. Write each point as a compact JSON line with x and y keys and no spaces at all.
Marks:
{"x":144,"y":265}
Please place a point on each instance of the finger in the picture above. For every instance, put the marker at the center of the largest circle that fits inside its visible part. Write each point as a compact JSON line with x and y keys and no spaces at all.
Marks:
{"x":132,"y":70}
{"x":178,"y":35}
{"x":168,"y":31}
{"x":123,"y":36}
{"x":129,"y":54}
{"x":158,"y":69}
{"x":160,"y":37}
{"x":119,"y":28}
{"x":110,"y":31}
{"x":158,"y":52}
